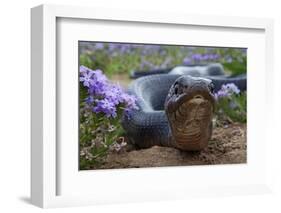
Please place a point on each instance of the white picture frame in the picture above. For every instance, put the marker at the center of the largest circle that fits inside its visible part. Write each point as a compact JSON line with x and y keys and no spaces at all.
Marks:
{"x":45,"y":166}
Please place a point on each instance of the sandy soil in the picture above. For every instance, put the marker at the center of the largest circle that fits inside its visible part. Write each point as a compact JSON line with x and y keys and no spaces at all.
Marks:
{"x":227,"y":146}
{"x":123,"y":79}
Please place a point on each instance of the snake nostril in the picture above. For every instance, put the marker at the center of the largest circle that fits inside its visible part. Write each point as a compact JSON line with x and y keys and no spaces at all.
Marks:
{"x":176,"y":90}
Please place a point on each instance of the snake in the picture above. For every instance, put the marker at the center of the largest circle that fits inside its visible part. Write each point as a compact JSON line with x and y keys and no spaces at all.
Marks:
{"x":176,"y":109}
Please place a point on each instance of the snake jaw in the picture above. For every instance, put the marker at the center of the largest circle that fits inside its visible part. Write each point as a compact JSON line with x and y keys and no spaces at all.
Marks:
{"x":190,"y":110}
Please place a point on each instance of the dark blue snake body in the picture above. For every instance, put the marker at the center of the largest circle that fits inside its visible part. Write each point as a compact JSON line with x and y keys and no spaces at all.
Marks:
{"x":149,"y":125}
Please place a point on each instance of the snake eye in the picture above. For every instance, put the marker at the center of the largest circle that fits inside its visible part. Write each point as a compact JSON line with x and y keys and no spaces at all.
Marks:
{"x":211,"y":87}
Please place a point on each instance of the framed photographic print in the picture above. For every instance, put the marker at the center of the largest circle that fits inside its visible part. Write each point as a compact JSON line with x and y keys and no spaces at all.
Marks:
{"x":150,"y":106}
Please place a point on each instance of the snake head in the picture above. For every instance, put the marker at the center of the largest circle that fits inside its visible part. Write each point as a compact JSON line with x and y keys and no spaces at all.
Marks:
{"x":186,"y":88}
{"x":189,"y":107}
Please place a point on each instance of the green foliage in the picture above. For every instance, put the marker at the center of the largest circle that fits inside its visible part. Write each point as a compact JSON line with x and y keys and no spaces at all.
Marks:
{"x":102,"y":104}
{"x":119,"y":62}
{"x":236,"y":67}
{"x":233,"y":108}
{"x":234,"y":60}
{"x":98,"y":135}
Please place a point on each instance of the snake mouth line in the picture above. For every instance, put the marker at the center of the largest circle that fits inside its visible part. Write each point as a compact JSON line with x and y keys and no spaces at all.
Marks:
{"x":183,"y":100}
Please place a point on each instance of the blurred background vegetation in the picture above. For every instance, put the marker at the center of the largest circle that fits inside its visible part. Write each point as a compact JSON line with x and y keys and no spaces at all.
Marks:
{"x":117,"y":60}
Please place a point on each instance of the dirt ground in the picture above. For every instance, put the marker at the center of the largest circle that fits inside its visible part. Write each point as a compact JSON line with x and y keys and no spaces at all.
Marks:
{"x":227,"y":146}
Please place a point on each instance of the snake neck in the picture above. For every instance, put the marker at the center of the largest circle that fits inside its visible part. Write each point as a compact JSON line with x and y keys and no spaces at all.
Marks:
{"x":191,"y":124}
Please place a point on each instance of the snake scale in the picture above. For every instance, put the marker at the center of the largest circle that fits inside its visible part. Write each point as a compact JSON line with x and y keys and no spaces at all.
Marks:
{"x":176,"y":109}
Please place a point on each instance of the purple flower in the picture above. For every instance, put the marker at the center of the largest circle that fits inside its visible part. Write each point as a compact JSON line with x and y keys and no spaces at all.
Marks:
{"x":129,"y":100}
{"x":221,"y":94}
{"x":99,"y":76}
{"x":214,"y":56}
{"x":187,"y":61}
{"x":86,"y":78}
{"x":115,"y":49}
{"x":125,"y":48}
{"x":226,"y":91}
{"x":114,"y":93}
{"x":231,"y":88}
{"x":89,"y":100}
{"x":104,"y":96}
{"x":105,"y":106}
{"x":197,"y":57}
{"x":95,"y":80}
{"x":83,"y":70}
{"x":99,"y":46}
{"x":206,"y":57}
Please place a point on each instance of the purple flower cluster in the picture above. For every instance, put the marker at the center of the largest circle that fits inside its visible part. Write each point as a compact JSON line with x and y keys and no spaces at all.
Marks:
{"x":115,"y":49}
{"x":198,"y":58}
{"x":187,"y":61}
{"x":226,"y":91}
{"x":147,"y":65}
{"x":104,"y":96}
